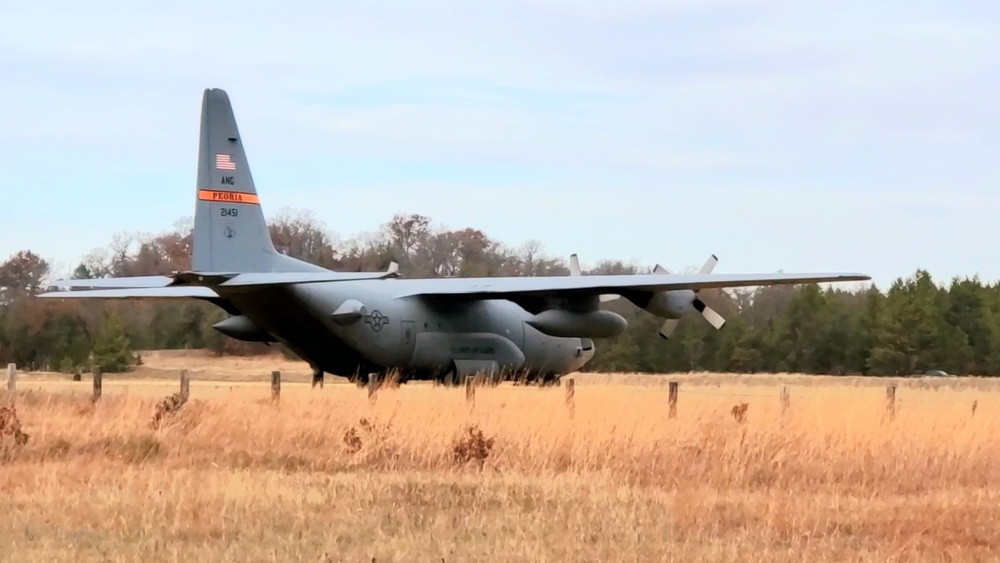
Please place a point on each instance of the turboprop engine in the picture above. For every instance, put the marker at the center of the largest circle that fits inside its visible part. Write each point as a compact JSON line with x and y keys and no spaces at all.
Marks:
{"x":582,"y":324}
{"x":671,"y":305}
{"x":242,"y":328}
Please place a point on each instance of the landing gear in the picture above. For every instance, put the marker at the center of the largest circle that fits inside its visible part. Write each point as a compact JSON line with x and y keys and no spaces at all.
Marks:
{"x":539,"y":379}
{"x":379,"y":379}
{"x":359,"y":379}
{"x":317,"y":378}
{"x":456,"y":377}
{"x":449,"y":378}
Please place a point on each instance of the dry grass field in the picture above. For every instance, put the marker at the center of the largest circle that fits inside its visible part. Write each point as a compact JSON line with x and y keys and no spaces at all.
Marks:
{"x":423,"y":475}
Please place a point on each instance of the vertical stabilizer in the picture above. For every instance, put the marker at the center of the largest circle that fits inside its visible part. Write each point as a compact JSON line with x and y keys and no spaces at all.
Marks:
{"x":230,"y":234}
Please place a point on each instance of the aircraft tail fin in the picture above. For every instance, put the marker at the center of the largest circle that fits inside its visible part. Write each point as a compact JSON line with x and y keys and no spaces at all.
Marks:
{"x":230,"y":233}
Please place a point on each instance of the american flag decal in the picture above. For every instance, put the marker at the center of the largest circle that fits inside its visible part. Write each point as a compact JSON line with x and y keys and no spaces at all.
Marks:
{"x":223,"y":162}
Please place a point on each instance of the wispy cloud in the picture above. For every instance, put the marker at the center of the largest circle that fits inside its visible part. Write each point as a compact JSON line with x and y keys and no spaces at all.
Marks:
{"x":779,"y":134}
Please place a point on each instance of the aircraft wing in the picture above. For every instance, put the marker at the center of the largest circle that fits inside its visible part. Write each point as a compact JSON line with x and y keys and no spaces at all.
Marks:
{"x":501,"y":288}
{"x":283,"y":278}
{"x":470,"y":288}
{"x":537,"y":284}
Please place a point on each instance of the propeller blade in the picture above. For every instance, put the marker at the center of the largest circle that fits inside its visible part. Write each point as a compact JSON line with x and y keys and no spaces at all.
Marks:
{"x":713,"y":318}
{"x":709,"y":265}
{"x":710,"y":315}
{"x":668,"y":328}
{"x":574,"y":270}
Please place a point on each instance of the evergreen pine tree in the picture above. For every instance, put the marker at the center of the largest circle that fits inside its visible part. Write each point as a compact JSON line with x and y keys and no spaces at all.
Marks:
{"x":112,"y":348}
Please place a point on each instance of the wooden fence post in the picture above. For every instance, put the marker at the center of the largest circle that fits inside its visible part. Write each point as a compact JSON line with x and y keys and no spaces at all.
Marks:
{"x":275,"y":385}
{"x":11,"y":378}
{"x":673,"y":399}
{"x":890,"y":400}
{"x":570,"y":393}
{"x":185,"y":385}
{"x":96,"y":370}
{"x":975,"y":404}
{"x":786,"y":399}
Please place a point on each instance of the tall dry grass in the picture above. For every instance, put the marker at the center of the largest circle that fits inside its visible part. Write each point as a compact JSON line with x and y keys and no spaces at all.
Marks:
{"x":231,"y":476}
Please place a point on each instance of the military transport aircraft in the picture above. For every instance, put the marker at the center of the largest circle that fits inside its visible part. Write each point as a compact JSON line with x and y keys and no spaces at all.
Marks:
{"x":357,"y":324}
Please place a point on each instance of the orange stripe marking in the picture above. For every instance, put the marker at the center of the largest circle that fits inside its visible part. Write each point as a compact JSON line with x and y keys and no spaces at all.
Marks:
{"x":228,"y":197}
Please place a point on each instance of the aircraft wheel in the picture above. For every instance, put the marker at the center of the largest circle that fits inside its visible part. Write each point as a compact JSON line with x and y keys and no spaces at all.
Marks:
{"x":451,"y":379}
{"x":317,"y":377}
{"x":450,"y":376}
{"x":548,"y":380}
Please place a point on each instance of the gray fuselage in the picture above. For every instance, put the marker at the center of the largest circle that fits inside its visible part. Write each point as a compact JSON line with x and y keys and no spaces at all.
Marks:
{"x":420,"y":339}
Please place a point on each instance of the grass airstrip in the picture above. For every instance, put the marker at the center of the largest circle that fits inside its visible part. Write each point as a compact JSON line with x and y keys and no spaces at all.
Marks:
{"x":836,"y":472}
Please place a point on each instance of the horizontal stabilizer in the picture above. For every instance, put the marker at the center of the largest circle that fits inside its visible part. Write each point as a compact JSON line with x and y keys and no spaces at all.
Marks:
{"x":217,"y":279}
{"x":172,"y":292}
{"x":208,"y":279}
{"x":131,"y":281}
{"x":177,"y":278}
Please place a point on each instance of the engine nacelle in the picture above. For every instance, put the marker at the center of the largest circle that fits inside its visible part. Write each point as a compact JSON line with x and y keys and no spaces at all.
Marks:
{"x":242,"y":328}
{"x":590,"y":324}
{"x":672,"y":304}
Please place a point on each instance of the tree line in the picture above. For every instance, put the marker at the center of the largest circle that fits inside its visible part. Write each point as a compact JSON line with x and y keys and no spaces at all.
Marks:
{"x":915,"y":325}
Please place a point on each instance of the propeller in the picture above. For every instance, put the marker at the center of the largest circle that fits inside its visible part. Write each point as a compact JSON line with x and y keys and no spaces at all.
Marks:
{"x":709,"y":314}
{"x":574,"y":270}
{"x":574,"y":265}
{"x":670,"y":300}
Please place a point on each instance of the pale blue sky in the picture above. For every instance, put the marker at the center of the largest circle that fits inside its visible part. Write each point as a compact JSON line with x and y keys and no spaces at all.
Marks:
{"x":803,"y":136}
